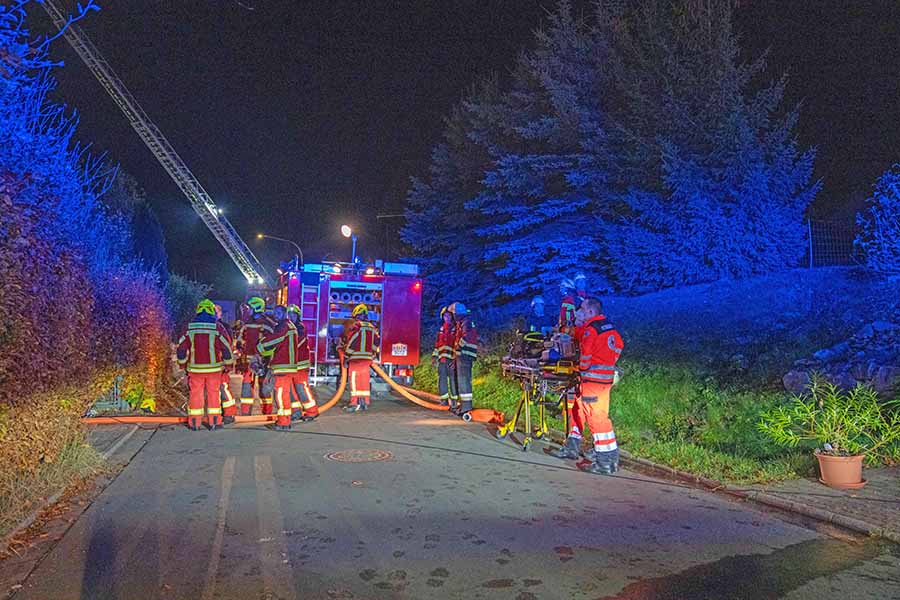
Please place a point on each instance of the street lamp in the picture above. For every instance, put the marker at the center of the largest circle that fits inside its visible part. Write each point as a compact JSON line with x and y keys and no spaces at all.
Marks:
{"x":348,"y":233}
{"x":298,"y":258}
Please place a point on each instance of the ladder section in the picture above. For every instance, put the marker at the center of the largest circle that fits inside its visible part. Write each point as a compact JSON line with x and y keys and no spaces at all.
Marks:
{"x":154,"y":139}
{"x":309,"y":313}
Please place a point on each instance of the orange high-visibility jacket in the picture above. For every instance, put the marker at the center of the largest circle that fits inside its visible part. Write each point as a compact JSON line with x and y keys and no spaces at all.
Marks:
{"x":443,"y":345}
{"x":363,"y":341}
{"x":282,"y":344}
{"x":466,"y":340}
{"x":203,"y":349}
{"x":601,"y":346}
{"x":252,"y":331}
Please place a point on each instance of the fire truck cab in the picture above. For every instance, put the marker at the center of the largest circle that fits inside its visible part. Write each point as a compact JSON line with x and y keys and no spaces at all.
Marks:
{"x":326,"y":294}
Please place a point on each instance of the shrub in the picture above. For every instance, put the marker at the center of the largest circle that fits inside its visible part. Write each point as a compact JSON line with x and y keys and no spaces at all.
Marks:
{"x":842,"y":423}
{"x":879,"y":238}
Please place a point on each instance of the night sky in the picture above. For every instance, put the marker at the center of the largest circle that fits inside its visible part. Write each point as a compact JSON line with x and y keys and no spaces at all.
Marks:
{"x":300,"y":116}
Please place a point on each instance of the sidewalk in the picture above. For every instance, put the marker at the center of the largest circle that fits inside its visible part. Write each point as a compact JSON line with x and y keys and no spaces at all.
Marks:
{"x":876,"y":507}
{"x":872,"y":510}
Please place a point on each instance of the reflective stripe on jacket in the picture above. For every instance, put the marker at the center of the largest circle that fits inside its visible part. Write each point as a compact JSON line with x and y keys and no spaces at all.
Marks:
{"x":363,"y":341}
{"x":251,"y":332}
{"x":203,"y":348}
{"x":601,"y":345}
{"x":466,"y":344}
{"x":443,"y":346}
{"x":282,"y":345}
{"x":567,"y":312}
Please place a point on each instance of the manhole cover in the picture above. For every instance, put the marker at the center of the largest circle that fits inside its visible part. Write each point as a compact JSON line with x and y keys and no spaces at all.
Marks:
{"x":359,"y":456}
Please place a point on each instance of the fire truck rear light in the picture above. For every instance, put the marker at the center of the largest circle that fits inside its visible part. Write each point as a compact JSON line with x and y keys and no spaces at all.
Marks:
{"x":402,"y":372}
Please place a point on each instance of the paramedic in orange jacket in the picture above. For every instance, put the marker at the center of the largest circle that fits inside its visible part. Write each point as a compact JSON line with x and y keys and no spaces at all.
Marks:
{"x":443,"y":356}
{"x":600,"y":346}
{"x":203,"y":352}
{"x":360,"y":349}
{"x":567,"y":306}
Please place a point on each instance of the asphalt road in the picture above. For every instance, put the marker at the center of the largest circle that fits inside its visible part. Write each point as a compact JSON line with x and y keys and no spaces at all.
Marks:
{"x":248,"y":513}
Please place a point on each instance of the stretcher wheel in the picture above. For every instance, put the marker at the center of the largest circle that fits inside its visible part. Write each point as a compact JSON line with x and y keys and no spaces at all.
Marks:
{"x":501,"y":433}
{"x":467,"y":417}
{"x":525,"y":444}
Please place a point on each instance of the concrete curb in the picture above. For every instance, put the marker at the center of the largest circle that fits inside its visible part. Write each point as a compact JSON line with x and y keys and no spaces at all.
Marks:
{"x":813,"y":512}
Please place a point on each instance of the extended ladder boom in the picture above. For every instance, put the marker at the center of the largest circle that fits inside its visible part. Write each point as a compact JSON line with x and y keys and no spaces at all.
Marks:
{"x":203,"y":204}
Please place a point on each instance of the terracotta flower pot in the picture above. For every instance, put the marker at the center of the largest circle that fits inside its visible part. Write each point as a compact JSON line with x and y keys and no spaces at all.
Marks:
{"x":841,"y":472}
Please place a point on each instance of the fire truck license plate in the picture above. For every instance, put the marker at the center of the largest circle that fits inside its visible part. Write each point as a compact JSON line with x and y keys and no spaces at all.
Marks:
{"x":399,"y":349}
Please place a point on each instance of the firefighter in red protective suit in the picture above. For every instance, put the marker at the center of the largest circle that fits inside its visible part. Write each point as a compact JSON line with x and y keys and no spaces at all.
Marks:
{"x":203,"y":352}
{"x":303,"y":403}
{"x":253,"y":329}
{"x":281,"y":346}
{"x":567,"y":306}
{"x":601,"y":345}
{"x":443,"y":358}
{"x":465,"y":352}
{"x":359,"y":351}
{"x":229,"y":406}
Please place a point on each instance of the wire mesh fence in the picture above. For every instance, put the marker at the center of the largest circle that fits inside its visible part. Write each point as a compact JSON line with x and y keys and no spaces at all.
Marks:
{"x":830,"y":244}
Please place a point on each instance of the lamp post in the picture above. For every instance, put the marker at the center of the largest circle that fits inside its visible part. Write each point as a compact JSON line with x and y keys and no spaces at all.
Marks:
{"x":298,"y":258}
{"x":348,"y":233}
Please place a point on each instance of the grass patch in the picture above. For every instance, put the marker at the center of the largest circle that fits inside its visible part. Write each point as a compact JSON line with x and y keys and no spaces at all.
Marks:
{"x":670,"y":415}
{"x":21,"y":493}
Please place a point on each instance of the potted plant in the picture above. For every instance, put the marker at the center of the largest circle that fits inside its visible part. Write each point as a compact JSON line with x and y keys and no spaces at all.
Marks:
{"x":846,"y":426}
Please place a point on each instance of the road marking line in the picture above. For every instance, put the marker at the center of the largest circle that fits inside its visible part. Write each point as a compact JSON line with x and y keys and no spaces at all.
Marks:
{"x":209,"y":587}
{"x":119,"y":443}
{"x":273,"y":556}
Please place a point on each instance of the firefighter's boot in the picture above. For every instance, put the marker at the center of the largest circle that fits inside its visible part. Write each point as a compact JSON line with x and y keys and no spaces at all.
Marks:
{"x":282,"y":428}
{"x":569,"y":451}
{"x":604,"y":463}
{"x":296,"y":415}
{"x":352,"y":408}
{"x":363,"y":406}
{"x":228,"y":420}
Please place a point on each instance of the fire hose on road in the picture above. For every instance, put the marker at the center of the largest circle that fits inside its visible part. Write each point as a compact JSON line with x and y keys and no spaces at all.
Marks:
{"x":418,"y":397}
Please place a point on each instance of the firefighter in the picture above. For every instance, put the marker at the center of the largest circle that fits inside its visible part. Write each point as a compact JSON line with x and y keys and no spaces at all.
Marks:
{"x":303,"y":403}
{"x":567,"y":306}
{"x":255,"y":326}
{"x":203,"y":352}
{"x":580,"y":281}
{"x":465,"y":352}
{"x":442,"y":357}
{"x":229,"y":406}
{"x":537,"y":320}
{"x":359,"y":350}
{"x":601,"y":345}
{"x":280,"y":346}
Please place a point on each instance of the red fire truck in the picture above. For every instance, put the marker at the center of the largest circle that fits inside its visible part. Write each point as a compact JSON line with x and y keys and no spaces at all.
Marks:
{"x":326,"y":294}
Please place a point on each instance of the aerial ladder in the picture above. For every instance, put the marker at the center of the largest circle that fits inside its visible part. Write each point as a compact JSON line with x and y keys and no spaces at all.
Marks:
{"x":203,"y":204}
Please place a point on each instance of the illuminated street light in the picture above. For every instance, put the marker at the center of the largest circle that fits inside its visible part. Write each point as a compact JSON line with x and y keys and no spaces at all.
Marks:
{"x":348,"y":233}
{"x":298,"y":258}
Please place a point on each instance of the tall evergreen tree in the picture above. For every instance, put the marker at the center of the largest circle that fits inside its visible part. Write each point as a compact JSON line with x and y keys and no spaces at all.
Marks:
{"x":542,"y":219}
{"x":439,"y":229}
{"x":711,"y":181}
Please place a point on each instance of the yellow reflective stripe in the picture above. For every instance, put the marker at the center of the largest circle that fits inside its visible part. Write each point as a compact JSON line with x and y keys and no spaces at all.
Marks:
{"x":212,"y":348}
{"x":214,"y":411}
{"x":193,"y":412}
{"x":303,"y":364}
{"x":291,"y":342}
{"x":204,"y":368}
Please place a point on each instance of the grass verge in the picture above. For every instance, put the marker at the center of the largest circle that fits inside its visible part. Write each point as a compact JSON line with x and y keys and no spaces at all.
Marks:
{"x":671,"y":416}
{"x":22,"y":493}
